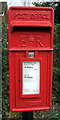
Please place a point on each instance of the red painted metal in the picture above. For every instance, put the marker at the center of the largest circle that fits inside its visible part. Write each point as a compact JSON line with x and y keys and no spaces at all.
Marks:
{"x":30,"y":29}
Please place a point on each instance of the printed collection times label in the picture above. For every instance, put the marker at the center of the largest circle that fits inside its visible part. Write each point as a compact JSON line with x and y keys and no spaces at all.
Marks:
{"x":31,"y":78}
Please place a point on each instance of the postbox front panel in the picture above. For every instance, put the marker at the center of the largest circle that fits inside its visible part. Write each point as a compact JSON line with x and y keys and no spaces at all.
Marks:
{"x":26,"y":98}
{"x":30,"y":58}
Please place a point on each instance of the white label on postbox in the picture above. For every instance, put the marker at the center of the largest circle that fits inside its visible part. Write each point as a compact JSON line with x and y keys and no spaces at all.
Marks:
{"x":31,"y":78}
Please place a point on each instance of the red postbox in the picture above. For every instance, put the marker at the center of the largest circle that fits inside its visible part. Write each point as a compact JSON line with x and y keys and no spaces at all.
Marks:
{"x":30,"y":57}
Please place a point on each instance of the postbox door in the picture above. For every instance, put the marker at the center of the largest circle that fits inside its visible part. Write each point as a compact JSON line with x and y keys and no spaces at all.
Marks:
{"x":31,"y":100}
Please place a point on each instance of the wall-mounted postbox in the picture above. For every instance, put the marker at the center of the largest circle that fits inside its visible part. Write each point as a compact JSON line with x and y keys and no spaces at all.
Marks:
{"x":30,"y":57}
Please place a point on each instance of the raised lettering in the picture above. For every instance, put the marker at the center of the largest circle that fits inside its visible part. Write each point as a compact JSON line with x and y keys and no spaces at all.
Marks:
{"x":47,"y":16}
{"x":31,"y":16}
{"x":39,"y":41}
{"x":23,"y":41}
{"x":31,"y":41}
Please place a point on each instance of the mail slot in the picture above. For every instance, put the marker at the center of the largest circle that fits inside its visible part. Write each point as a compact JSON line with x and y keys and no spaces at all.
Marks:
{"x":30,"y":32}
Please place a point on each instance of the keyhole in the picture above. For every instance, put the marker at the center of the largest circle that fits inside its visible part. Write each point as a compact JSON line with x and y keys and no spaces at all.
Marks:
{"x":18,"y":80}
